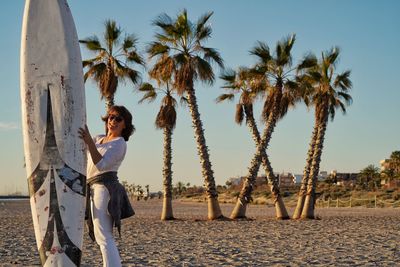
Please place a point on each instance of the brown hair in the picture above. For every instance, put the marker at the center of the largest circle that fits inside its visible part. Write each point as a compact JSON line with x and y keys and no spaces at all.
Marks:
{"x":124,"y":113}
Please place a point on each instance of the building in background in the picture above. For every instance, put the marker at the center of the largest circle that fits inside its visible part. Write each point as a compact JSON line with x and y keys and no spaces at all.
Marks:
{"x":286,"y":179}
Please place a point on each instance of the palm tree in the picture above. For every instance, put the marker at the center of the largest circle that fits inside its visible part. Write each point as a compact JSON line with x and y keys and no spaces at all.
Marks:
{"x":369,"y":178}
{"x":131,"y":190}
{"x":306,"y":173}
{"x":249,"y":88}
{"x":165,"y":120}
{"x":394,"y":162}
{"x":180,"y":42}
{"x":330,"y":92}
{"x":113,"y":60}
{"x":275,"y":73}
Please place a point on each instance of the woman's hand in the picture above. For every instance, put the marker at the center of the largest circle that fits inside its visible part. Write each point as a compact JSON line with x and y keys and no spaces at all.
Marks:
{"x":84,"y":134}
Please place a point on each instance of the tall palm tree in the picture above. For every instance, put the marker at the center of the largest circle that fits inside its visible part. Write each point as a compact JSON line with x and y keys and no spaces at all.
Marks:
{"x":244,"y":82}
{"x":304,"y":80}
{"x":330,"y":92}
{"x":114,"y":56}
{"x":165,"y":120}
{"x":182,"y":42}
{"x":275,"y":72}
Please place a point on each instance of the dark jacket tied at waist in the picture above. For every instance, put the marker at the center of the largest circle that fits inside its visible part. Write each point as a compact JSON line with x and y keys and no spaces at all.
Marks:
{"x":119,"y":206}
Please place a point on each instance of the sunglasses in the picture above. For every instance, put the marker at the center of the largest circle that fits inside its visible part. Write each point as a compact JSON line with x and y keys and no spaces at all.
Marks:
{"x":115,"y":118}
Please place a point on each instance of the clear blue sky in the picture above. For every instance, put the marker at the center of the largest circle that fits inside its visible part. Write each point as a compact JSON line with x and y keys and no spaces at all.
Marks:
{"x":367,"y":32}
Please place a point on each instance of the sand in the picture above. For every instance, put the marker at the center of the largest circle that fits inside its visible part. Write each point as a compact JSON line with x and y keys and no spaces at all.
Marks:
{"x":342,"y":237}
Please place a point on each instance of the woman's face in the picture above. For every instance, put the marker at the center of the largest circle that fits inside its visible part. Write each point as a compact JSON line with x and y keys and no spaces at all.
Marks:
{"x":115,"y":123}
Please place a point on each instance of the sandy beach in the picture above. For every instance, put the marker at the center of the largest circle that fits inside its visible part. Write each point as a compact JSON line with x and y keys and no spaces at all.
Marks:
{"x":342,"y":237}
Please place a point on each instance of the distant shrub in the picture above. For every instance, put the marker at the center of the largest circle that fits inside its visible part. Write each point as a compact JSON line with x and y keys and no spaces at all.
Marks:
{"x":235,"y":194}
{"x":267,"y":194}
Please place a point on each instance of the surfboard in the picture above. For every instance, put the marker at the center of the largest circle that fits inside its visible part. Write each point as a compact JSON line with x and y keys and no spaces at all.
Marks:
{"x":53,"y":109}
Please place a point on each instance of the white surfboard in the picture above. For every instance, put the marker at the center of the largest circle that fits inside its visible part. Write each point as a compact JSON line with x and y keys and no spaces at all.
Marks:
{"x":53,"y":109}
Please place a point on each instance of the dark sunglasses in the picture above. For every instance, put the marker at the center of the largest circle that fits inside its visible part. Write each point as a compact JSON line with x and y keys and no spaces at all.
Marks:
{"x":115,"y":118}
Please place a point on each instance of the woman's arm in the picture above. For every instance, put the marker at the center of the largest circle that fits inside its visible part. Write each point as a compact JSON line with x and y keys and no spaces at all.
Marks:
{"x":84,"y":134}
{"x":114,"y":155}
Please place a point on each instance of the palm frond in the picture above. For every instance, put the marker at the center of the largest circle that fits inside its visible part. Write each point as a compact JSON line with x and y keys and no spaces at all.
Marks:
{"x":133,"y":56}
{"x":126,"y":72}
{"x":92,"y":43}
{"x":88,"y":74}
{"x":146,"y":87}
{"x":333,"y":55}
{"x":308,"y":61}
{"x":166,"y":117}
{"x":229,"y":76}
{"x":224,"y":97}
{"x":129,"y":42}
{"x":156,"y":49}
{"x":343,"y":81}
{"x":239,"y":114}
{"x":163,"y":69}
{"x":347,"y":98}
{"x":181,"y":60}
{"x":163,"y":21}
{"x":204,"y":70}
{"x":183,"y":27}
{"x":332,"y":112}
{"x":284,"y":105}
{"x":315,"y":76}
{"x":150,"y":96}
{"x":165,"y":38}
{"x":111,"y":34}
{"x":168,"y":100}
{"x":96,"y":71}
{"x":268,"y":106}
{"x":342,"y":107}
{"x":247,"y":98}
{"x":289,"y":42}
{"x":211,"y":55}
{"x":183,"y":77}
{"x":203,"y":32}
{"x":90,"y":62}
{"x":283,"y":51}
{"x":201,"y":22}
{"x":261,"y":50}
{"x":108,"y":83}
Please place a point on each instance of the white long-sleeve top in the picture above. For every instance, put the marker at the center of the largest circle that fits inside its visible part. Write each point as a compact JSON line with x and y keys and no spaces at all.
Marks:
{"x":113,"y":153}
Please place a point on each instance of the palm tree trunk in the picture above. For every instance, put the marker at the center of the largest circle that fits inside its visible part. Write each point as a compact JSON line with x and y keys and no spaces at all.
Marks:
{"x":214,"y":210}
{"x":280,"y":209}
{"x":109,"y":102}
{"x":309,"y":202}
{"x":167,"y":176}
{"x":281,"y":212}
{"x":245,"y":194}
{"x":306,"y":173}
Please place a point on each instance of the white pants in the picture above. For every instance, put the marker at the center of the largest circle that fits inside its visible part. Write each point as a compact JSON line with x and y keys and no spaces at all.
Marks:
{"x":103,"y":228}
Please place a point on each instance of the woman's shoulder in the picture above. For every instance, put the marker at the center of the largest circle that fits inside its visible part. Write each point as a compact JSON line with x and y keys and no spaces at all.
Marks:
{"x":98,"y":137}
{"x":120,"y":140}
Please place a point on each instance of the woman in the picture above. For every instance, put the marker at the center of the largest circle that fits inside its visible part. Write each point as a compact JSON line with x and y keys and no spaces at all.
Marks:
{"x":108,"y":199}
